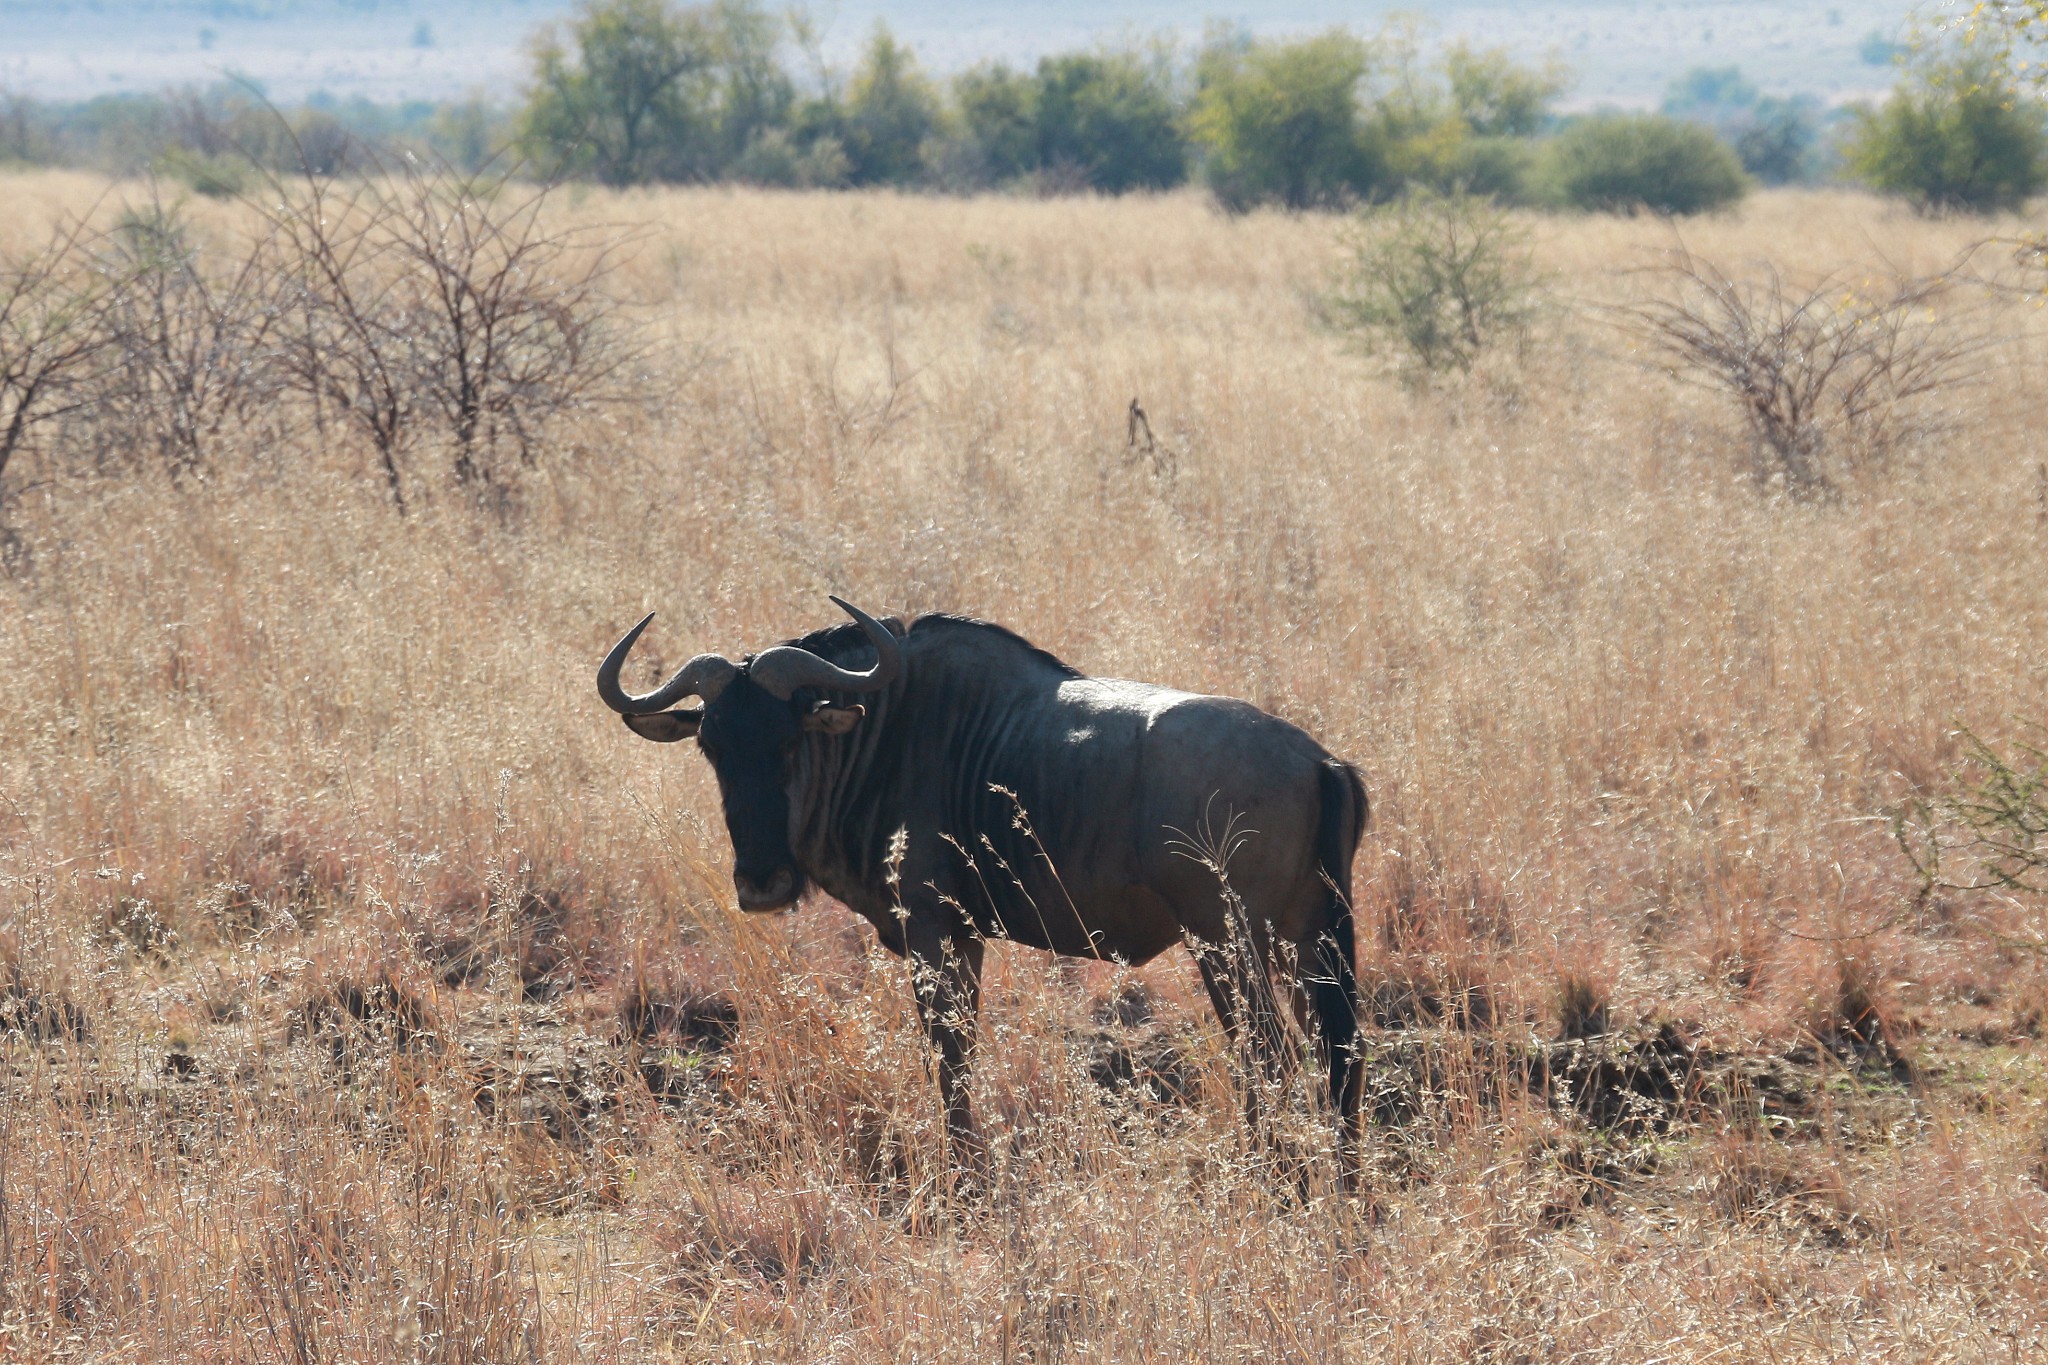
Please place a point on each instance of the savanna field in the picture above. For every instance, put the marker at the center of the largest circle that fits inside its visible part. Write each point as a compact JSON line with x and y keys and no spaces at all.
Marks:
{"x":369,"y":993}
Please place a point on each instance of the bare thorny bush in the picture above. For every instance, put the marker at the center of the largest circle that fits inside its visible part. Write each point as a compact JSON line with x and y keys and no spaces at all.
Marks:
{"x":433,"y":305}
{"x":190,"y":328}
{"x":410,"y":315}
{"x":49,"y":349}
{"x":1827,"y":371}
{"x":1985,"y":830}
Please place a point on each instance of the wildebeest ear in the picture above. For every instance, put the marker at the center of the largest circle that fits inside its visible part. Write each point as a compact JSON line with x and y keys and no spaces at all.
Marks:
{"x":826,"y":719}
{"x":665,"y":727}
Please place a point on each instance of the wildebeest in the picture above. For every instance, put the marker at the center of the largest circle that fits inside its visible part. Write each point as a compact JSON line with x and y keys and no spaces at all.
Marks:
{"x":952,"y":783}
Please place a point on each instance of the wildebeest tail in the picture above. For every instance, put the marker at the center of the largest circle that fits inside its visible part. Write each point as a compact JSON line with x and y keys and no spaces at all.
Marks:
{"x":1333,"y":974}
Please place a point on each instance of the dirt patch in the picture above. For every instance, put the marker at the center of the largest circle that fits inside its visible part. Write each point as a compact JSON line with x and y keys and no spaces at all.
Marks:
{"x":40,"y":1016}
{"x":1636,"y":1082}
{"x":353,"y":1019}
{"x":677,"y":1042}
{"x":1132,"y":1055}
{"x":1631,"y":1085}
{"x":530,"y":1068}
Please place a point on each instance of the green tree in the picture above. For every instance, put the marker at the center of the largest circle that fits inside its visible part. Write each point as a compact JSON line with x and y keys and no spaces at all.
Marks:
{"x":891,"y":108}
{"x":1622,"y":162}
{"x":1110,"y":118}
{"x":753,"y":94}
{"x":1282,"y":121}
{"x":1711,"y":94}
{"x":999,"y":109}
{"x":1106,"y":121}
{"x":637,"y":90}
{"x":1497,"y":96}
{"x":1474,"y":130}
{"x":612,"y":96}
{"x":1779,"y":138}
{"x":1955,"y":134}
{"x":2011,"y":33}
{"x":1775,"y":139}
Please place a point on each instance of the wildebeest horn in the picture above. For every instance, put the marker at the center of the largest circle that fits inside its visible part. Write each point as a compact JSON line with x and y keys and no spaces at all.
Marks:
{"x":704,"y":676}
{"x":782,"y":670}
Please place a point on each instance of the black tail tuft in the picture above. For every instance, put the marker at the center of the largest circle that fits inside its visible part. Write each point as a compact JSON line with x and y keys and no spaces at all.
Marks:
{"x":1334,"y":973}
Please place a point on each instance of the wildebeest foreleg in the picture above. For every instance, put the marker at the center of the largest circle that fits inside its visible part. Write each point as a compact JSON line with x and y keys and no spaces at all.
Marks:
{"x":946,"y":971}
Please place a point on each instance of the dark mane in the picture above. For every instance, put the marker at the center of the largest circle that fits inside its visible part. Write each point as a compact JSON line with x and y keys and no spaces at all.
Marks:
{"x":846,"y":645}
{"x":940,"y":623}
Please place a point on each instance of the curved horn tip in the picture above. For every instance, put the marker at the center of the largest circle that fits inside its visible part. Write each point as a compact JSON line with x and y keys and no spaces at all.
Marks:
{"x":634,"y":633}
{"x":856,"y":613}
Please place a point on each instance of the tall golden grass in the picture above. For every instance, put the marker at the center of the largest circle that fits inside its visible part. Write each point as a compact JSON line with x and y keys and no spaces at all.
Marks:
{"x":348,"y":937}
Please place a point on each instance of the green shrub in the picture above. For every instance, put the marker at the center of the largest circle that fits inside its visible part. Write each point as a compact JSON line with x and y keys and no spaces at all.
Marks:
{"x":216,"y":177}
{"x":1500,"y":168}
{"x":1623,"y":162}
{"x":775,"y":157}
{"x":1432,"y":281}
{"x":1955,"y":136}
{"x":1281,"y":122}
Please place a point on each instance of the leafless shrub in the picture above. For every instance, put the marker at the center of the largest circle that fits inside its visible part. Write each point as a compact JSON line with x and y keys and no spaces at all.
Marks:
{"x":1824,"y":371}
{"x":418,"y":309}
{"x":144,"y":344}
{"x":50,"y":343}
{"x":343,"y":347}
{"x":432,"y":304}
{"x":507,"y":329}
{"x":1991,"y":817}
{"x":189,"y":325}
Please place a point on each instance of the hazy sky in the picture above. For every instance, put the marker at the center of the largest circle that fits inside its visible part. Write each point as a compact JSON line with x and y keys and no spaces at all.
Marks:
{"x":1624,"y":51}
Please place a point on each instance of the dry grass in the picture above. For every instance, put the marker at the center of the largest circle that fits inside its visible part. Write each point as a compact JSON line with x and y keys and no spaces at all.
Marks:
{"x":380,"y":954}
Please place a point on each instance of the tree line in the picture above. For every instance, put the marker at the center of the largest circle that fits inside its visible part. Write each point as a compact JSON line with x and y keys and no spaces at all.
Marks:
{"x":637,"y":92}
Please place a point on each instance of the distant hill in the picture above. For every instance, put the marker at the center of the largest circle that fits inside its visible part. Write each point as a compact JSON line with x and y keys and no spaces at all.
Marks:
{"x":1624,"y":51}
